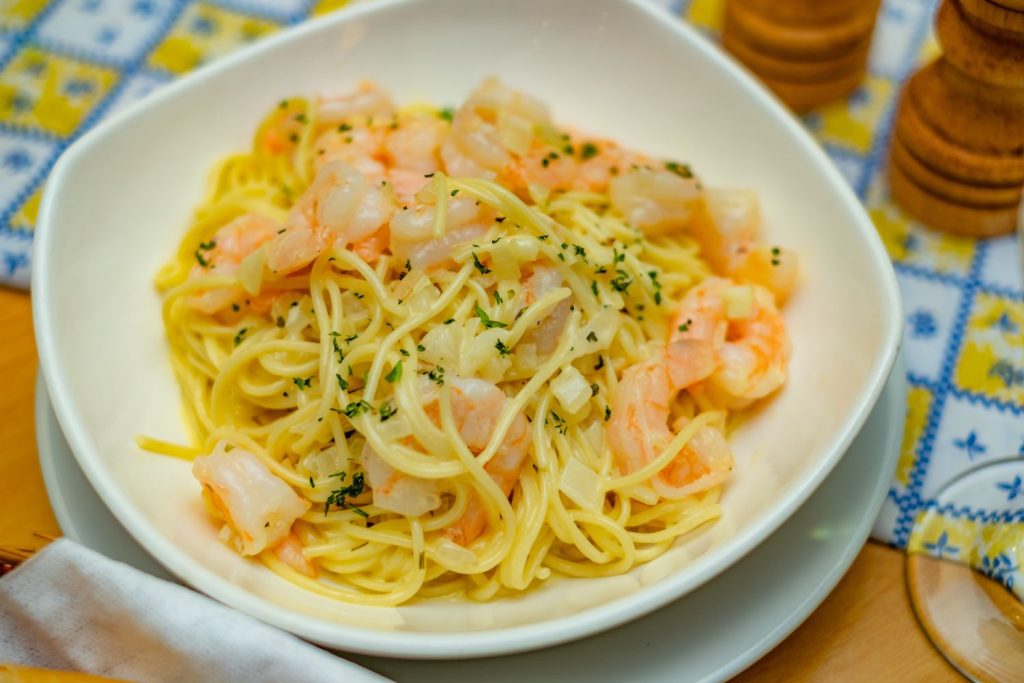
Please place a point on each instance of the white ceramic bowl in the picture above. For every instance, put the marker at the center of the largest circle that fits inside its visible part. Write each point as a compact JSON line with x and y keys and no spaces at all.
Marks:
{"x":118,"y":200}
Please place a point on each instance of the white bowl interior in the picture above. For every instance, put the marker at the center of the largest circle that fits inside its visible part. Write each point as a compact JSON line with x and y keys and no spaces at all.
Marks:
{"x":119,"y":200}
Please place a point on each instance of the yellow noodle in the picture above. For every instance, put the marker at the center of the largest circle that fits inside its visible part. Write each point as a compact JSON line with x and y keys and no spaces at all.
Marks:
{"x":334,"y":357}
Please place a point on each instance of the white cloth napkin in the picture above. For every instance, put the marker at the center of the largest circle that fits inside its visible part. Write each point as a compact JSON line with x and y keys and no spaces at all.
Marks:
{"x":73,"y":609}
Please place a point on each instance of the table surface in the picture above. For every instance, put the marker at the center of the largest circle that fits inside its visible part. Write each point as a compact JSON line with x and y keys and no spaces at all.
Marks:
{"x":864,"y":631}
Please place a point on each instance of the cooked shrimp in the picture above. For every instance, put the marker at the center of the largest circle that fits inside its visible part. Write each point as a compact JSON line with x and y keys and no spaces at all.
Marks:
{"x":224,"y":253}
{"x":413,"y":152}
{"x":704,"y":462}
{"x":655,"y":201}
{"x":601,"y":161}
{"x":504,"y":469}
{"x":638,"y":430}
{"x":541,"y":164}
{"x":729,"y":232}
{"x":494,"y":123}
{"x":476,"y":408}
{"x":544,"y":279}
{"x":339,"y":207}
{"x":361,"y":147}
{"x":412,"y":231}
{"x":257,"y":507}
{"x":743,"y":326}
{"x":290,"y":552}
{"x":367,"y":101}
{"x":415,"y":145}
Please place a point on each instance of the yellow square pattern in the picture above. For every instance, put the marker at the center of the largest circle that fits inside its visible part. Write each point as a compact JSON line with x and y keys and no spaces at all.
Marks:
{"x":707,"y":14}
{"x":852,"y":124}
{"x":41,"y":90}
{"x":919,"y":401}
{"x":17,"y":14}
{"x":25,"y":217}
{"x":909,"y":243}
{"x":991,"y":362}
{"x":325,"y":6}
{"x":204,"y":32}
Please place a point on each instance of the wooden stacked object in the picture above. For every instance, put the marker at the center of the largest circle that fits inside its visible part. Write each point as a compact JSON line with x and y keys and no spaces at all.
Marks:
{"x":957,"y":153}
{"x":810,"y":52}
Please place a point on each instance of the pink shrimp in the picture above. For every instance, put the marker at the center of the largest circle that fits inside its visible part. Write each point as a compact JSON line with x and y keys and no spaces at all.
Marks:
{"x":601,"y":161}
{"x":257,"y":507}
{"x":412,"y":231}
{"x":290,"y":552}
{"x":476,"y":407}
{"x":747,"y":333}
{"x":655,"y":201}
{"x":367,"y":100}
{"x":638,"y":430}
{"x":542,"y":280}
{"x":223,"y":254}
{"x":728,"y":230}
{"x":339,"y":207}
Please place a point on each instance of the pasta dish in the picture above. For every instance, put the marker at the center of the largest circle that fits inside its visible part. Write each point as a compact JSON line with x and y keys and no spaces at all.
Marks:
{"x":433,"y":352}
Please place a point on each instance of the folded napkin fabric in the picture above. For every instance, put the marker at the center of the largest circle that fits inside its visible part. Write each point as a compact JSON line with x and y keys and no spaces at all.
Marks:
{"x":74,"y":609}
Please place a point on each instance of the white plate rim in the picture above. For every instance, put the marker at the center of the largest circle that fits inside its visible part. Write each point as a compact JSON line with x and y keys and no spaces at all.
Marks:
{"x":47,"y":432}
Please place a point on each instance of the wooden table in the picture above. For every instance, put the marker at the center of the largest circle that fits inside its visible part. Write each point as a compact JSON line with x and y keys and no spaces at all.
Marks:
{"x":864,"y":631}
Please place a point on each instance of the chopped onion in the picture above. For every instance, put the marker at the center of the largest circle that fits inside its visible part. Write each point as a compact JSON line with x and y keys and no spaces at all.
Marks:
{"x":423,"y":297}
{"x":581,"y":485}
{"x":538,"y":193}
{"x":736,"y":213}
{"x":480,"y":351}
{"x":594,"y":434}
{"x":739,"y":302}
{"x":603,"y":324}
{"x":442,"y":344}
{"x":322,"y":463}
{"x":453,"y":556}
{"x":396,"y":492}
{"x":514,"y":132}
{"x":394,"y":428}
{"x":250,"y":271}
{"x":641,"y":492}
{"x":571,"y":389}
{"x":515,"y":248}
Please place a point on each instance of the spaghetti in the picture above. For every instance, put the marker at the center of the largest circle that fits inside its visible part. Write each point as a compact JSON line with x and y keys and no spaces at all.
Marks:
{"x":402,"y":383}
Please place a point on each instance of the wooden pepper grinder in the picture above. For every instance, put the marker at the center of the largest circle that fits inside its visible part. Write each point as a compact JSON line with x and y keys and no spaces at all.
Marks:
{"x":957,"y":151}
{"x":810,"y":52}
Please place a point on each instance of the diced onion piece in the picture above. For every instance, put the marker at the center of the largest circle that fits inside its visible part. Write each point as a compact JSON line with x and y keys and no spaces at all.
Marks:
{"x":397,"y":492}
{"x":480,"y":351}
{"x":516,"y":248}
{"x":514,"y":132}
{"x":571,"y":389}
{"x":325,"y":462}
{"x":581,"y":485}
{"x":538,"y":193}
{"x":250,"y":271}
{"x":642,"y":493}
{"x":736,"y":213}
{"x":739,"y":302}
{"x":453,"y":556}
{"x":594,"y":434}
{"x":603,"y":324}
{"x":394,"y":428}
{"x":422,"y":298}
{"x":442,"y":344}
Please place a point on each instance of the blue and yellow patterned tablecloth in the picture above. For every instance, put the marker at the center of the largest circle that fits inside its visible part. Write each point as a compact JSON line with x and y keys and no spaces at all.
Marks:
{"x":64,"y":64}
